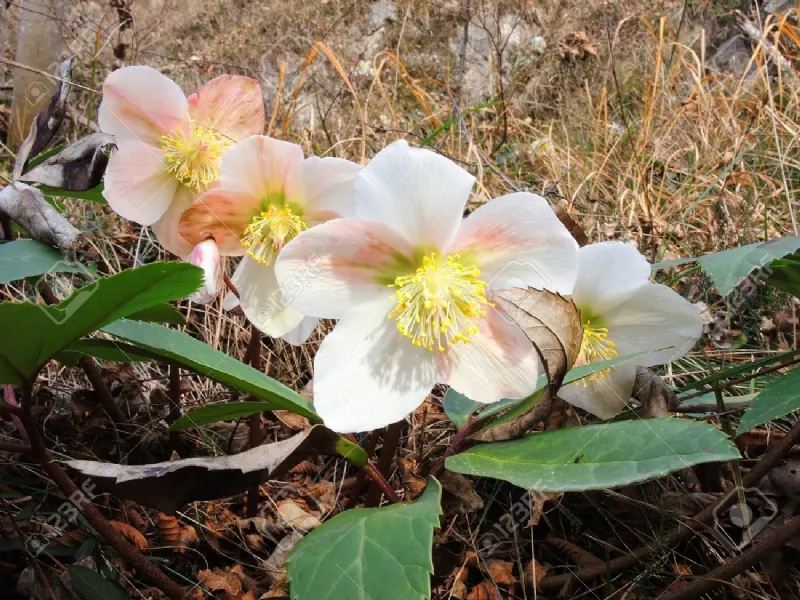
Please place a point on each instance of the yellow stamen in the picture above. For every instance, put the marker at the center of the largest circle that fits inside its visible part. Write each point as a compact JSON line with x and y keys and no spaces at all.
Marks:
{"x":270,"y":231}
{"x":194,"y":155}
{"x":439,"y":304}
{"x":595,"y":347}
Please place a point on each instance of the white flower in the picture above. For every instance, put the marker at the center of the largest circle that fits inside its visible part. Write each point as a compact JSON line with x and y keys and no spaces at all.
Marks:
{"x":622,"y":314}
{"x":539,"y":43}
{"x":206,"y":256}
{"x":411,"y":281}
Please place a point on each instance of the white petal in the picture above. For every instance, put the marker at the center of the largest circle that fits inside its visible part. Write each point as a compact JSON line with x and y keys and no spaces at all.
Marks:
{"x":259,"y":165}
{"x":141,"y":104}
{"x":324,"y":187}
{"x":166,"y":228}
{"x":300,"y":334}
{"x":367,"y":375}
{"x":654,"y":316}
{"x":262,"y":301}
{"x":608,"y":272}
{"x":332,"y":267}
{"x":419,"y":193}
{"x":605,"y":397}
{"x":499,"y":362}
{"x":206,"y":256}
{"x":137,"y":186}
{"x":517,"y":241}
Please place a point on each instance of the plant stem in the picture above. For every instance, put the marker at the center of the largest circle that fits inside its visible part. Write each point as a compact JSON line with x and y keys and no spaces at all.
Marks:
{"x":15,"y":448}
{"x":5,"y":227}
{"x":256,"y":432}
{"x":380,"y":482}
{"x":390,"y":441}
{"x":127,"y":551}
{"x":372,"y":443}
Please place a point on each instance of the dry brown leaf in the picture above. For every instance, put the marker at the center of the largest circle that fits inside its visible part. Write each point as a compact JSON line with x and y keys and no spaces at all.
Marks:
{"x":413,"y":482}
{"x":534,"y":573}
{"x":458,"y":494}
{"x":484,"y":591}
{"x":221,"y":581}
{"x":459,"y":590}
{"x":576,"y":45}
{"x":169,"y":529}
{"x":133,"y":535}
{"x":292,"y":420}
{"x":293,"y":516}
{"x":655,"y":396}
{"x":324,"y":492}
{"x":502,"y":571}
{"x":553,"y":325}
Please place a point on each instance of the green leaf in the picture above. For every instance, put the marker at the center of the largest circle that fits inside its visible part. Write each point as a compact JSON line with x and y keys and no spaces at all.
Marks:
{"x":215,"y":413}
{"x":458,"y":407}
{"x":579,"y":373}
{"x":193,"y":354}
{"x":784,"y":274}
{"x":160,"y":313}
{"x":29,"y":258}
{"x":777,"y":400}
{"x":597,"y":456}
{"x":728,"y":268}
{"x":369,"y":553}
{"x":108,"y":350}
{"x":31,"y":334}
{"x":93,"y":195}
{"x":90,"y":585}
{"x":738,"y":370}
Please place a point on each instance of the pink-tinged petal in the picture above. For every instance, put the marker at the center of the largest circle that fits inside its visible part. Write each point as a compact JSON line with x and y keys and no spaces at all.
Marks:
{"x":300,"y":334}
{"x":260,"y":165}
{"x":137,"y":187}
{"x":166,"y":228}
{"x":654,"y":316}
{"x":605,"y":396}
{"x":221,"y":214}
{"x":324,"y":187}
{"x":607,"y":274}
{"x":261,"y":300}
{"x":517,"y":241}
{"x":231,"y":104}
{"x":206,"y":256}
{"x":332,"y":267}
{"x":418,"y":193}
{"x":366,"y":375}
{"x":499,"y":362}
{"x":139,"y":103}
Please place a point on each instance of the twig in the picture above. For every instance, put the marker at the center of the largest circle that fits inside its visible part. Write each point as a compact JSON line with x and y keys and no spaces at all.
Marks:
{"x":683,"y":530}
{"x":462,"y":55}
{"x":127,"y":551}
{"x":15,"y":448}
{"x":772,"y":542}
{"x":390,"y":441}
{"x":253,"y":358}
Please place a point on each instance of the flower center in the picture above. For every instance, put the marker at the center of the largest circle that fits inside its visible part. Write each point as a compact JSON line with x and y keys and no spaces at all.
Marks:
{"x":270,"y":231}
{"x":194,"y":156}
{"x":595,"y":347}
{"x":438,"y":305}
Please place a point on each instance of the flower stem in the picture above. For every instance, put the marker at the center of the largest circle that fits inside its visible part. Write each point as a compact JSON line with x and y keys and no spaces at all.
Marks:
{"x":390,"y":441}
{"x":253,"y":358}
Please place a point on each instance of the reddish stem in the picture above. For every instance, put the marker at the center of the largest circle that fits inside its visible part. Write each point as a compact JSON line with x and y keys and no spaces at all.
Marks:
{"x":390,"y":441}
{"x":253,"y":357}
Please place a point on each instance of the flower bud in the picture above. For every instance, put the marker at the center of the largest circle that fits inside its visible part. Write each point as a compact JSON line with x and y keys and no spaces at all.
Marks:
{"x":206,"y":256}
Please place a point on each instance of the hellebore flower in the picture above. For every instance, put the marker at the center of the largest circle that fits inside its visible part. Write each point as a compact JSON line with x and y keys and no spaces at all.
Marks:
{"x":267,"y":194}
{"x":206,"y":256}
{"x":169,"y":147}
{"x":411,"y":281}
{"x":623,"y":313}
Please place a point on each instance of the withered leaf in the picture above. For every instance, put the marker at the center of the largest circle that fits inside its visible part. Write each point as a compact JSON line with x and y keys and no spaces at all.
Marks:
{"x":28,"y":208}
{"x":167,"y":486}
{"x":80,"y":166}
{"x":553,"y":325}
{"x":655,"y":396}
{"x":47,"y":122}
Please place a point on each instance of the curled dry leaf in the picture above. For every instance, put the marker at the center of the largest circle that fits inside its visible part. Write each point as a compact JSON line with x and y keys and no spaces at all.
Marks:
{"x":553,"y":325}
{"x":458,"y":494}
{"x":218,"y":580}
{"x":484,"y":591}
{"x":275,"y":565}
{"x":26,"y":206}
{"x":293,"y":516}
{"x":173,"y":534}
{"x":167,"y":486}
{"x":534,"y":574}
{"x":655,"y":396}
{"x":80,"y":166}
{"x":133,"y":535}
{"x":47,"y":122}
{"x":576,"y":45}
{"x":293,"y":421}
